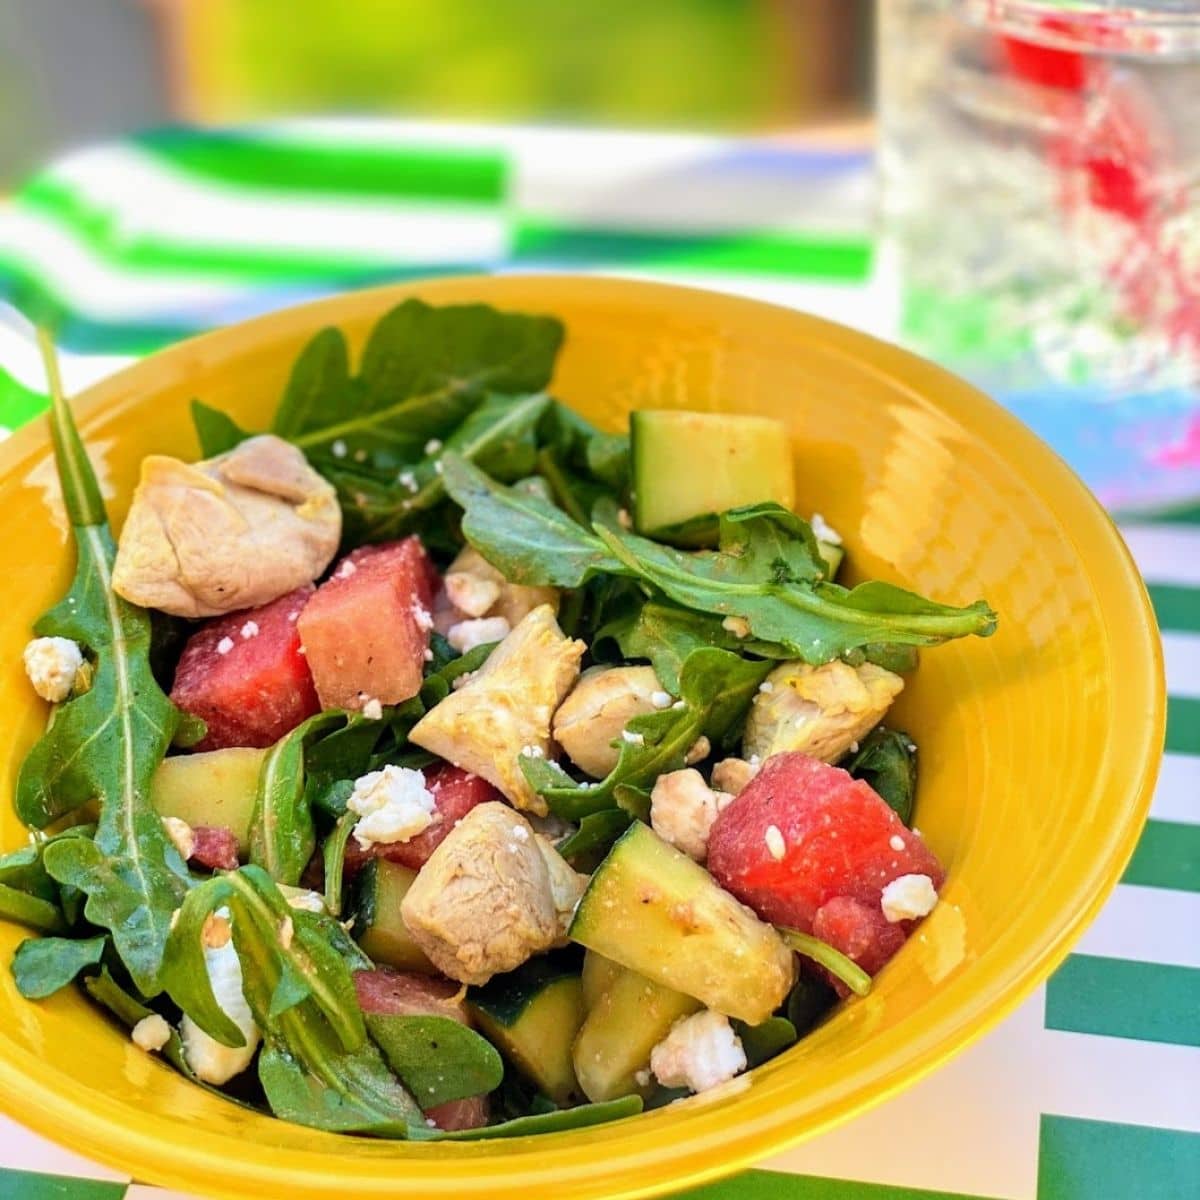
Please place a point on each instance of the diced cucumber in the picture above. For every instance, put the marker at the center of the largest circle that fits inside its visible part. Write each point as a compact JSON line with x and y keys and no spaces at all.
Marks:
{"x":688,"y":464}
{"x":598,"y":973}
{"x":379,"y":891}
{"x":214,"y":787}
{"x":630,"y":1018}
{"x":655,"y":911}
{"x":532,"y":1016}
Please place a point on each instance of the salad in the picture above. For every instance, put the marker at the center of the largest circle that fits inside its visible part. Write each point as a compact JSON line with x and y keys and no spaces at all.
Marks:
{"x":436,"y":765}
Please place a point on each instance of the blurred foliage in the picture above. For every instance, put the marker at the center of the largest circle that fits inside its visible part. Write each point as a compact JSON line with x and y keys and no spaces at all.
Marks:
{"x":665,"y":62}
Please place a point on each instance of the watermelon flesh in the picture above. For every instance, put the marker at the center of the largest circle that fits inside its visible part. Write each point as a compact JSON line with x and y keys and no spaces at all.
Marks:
{"x":841,"y":846}
{"x":455,"y":793}
{"x":245,"y":676}
{"x":216,"y":848}
{"x":366,"y":631}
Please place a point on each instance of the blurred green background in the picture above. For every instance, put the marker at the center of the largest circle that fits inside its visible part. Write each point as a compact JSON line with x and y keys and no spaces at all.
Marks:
{"x":76,"y":70}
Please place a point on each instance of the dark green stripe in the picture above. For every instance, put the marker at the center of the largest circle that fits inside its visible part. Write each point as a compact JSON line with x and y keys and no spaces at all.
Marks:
{"x":753,"y":253}
{"x":102,"y":233}
{"x":1177,"y":608}
{"x":776,"y":1185}
{"x":1183,"y":725}
{"x":417,"y":172}
{"x":1100,"y":1160}
{"x":1152,"y":1002}
{"x":31,"y":1185}
{"x":1167,"y":856}
{"x":17,"y":403}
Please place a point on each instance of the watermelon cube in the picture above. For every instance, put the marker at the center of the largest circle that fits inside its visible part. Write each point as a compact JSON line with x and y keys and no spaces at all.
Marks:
{"x":245,"y":675}
{"x":366,"y":631}
{"x":808,"y":846}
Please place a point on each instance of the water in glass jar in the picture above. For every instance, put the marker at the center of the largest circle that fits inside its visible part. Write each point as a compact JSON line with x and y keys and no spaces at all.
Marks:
{"x":1040,"y":165}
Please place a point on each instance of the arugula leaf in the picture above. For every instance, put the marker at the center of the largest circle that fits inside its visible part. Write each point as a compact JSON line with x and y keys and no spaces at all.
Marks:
{"x":217,"y":432}
{"x":438,"y":1059}
{"x":666,"y":634}
{"x":764,"y":1041}
{"x":768,"y":573}
{"x":282,"y":835}
{"x":597,"y":831}
{"x":24,"y":869}
{"x":809,"y":1001}
{"x":580,"y":1117}
{"x":422,"y":371}
{"x":30,"y":911}
{"x":525,"y":537}
{"x":499,"y":434}
{"x":41,"y":966}
{"x":106,"y":743}
{"x":334,"y":856}
{"x":715,"y":688}
{"x":887,"y":760}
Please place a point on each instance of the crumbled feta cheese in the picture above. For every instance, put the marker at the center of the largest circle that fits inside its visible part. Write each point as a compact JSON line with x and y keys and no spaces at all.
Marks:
{"x":532,"y":752}
{"x":776,"y":846}
{"x":853,"y":748}
{"x":250,"y":629}
{"x":394,"y":806}
{"x":338,"y":449}
{"x":433,"y":446}
{"x":427,"y":654}
{"x":520,"y":833}
{"x":422,"y":616}
{"x":372,"y":709}
{"x":438,"y":467}
{"x":213,"y":1062}
{"x":766,"y":686}
{"x":225,"y":645}
{"x":823,"y":531}
{"x":909,"y":898}
{"x":151,"y":1033}
{"x":51,"y":664}
{"x":896,"y":842}
{"x":700,"y":1052}
{"x":634,"y":739}
{"x":461,"y":681}
{"x":738,"y":626}
{"x":182,"y":836}
{"x":408,"y":480}
{"x":466,"y":635}
{"x":660,"y":699}
{"x":347,"y":569}
{"x":682,"y":811}
{"x":642,"y":1078}
{"x":624,"y":519}
{"x":679,"y":704}
{"x":293,"y":616}
{"x":470,"y":594}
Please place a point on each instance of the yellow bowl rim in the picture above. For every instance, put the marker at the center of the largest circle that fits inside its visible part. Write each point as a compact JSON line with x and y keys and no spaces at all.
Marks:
{"x":27,"y":1091}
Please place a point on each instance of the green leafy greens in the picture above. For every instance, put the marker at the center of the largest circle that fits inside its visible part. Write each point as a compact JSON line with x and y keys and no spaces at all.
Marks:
{"x":104,"y":745}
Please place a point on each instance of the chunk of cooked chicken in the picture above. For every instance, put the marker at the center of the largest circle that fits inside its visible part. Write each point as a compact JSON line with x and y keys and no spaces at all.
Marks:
{"x":600,"y":705}
{"x":506,"y":707}
{"x":474,"y":588}
{"x":682,"y":811}
{"x":491,"y":896}
{"x":733,"y":774}
{"x":227,"y":533}
{"x":820,"y":711}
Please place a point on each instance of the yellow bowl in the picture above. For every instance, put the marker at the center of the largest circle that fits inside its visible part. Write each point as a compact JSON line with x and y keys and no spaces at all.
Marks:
{"x":1038,"y":747}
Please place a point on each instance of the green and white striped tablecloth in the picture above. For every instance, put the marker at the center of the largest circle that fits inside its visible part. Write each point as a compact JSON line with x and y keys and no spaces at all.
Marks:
{"x":1091,"y":1091}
